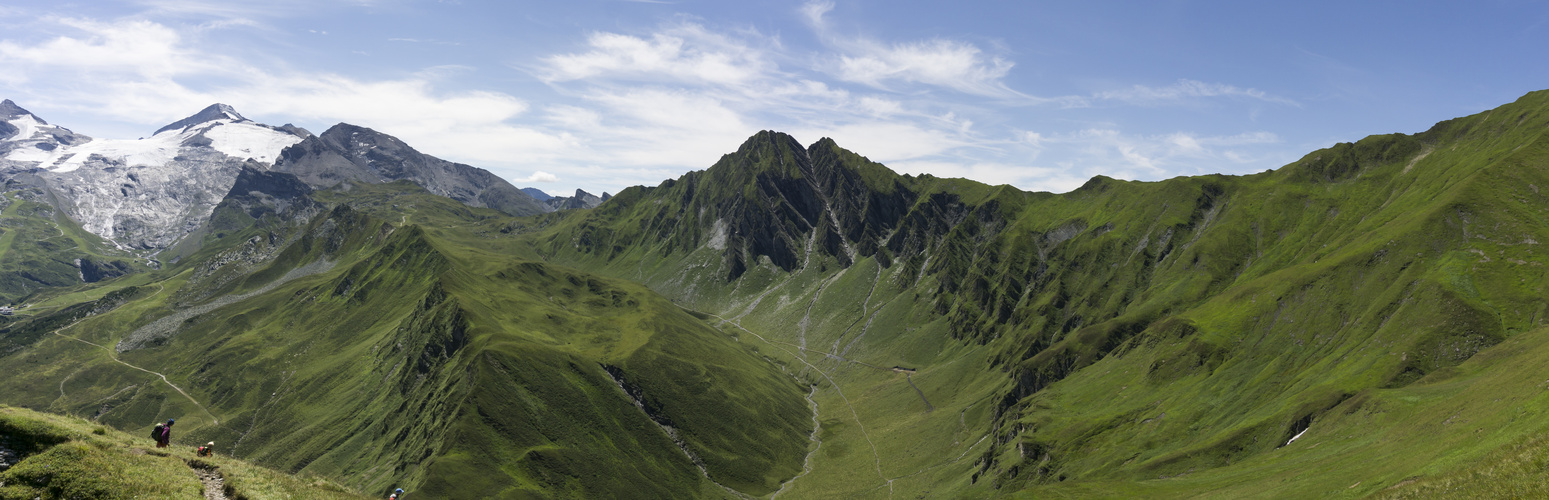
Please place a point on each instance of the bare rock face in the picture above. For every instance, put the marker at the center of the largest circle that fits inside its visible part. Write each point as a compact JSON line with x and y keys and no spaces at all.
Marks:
{"x":582,"y":199}
{"x":146,"y":193}
{"x":348,"y":153}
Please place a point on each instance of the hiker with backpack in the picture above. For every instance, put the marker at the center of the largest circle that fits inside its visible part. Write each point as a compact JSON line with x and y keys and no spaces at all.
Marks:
{"x":163,"y":434}
{"x":206,"y":450}
{"x":398,"y":493}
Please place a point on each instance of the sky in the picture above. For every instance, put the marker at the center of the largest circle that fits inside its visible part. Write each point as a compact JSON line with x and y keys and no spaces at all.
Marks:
{"x":604,"y":94}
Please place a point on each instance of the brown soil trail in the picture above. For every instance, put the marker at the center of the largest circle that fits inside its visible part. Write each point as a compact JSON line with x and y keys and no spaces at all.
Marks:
{"x":214,"y":481}
{"x":112,"y":355}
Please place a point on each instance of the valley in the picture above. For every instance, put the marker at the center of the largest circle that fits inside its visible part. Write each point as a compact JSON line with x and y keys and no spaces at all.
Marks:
{"x":798,"y":321}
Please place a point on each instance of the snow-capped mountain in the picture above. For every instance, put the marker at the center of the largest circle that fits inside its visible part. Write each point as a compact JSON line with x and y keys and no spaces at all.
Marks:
{"x":151,"y":192}
{"x":25,"y":137}
{"x":145,"y":193}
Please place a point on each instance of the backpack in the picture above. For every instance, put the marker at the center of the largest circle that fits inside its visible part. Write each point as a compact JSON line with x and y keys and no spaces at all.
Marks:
{"x":156,"y":433}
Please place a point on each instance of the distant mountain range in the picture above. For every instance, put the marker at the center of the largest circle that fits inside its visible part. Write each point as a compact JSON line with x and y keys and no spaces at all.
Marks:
{"x":581,"y":199}
{"x":149,"y":193}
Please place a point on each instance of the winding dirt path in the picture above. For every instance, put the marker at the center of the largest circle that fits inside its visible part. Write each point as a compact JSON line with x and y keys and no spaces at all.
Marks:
{"x":113,"y":356}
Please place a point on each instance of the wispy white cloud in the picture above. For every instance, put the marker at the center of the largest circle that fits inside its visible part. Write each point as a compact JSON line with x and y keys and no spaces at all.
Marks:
{"x":943,"y":63}
{"x":939,"y":62}
{"x":1185,"y":89}
{"x":1107,"y":151}
{"x":538,"y":176}
{"x":684,"y":52}
{"x":424,"y":40}
{"x":226,"y":9}
{"x":814,"y":11}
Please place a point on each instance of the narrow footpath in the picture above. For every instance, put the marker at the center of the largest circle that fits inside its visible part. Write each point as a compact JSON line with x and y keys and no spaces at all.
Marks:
{"x":113,"y":356}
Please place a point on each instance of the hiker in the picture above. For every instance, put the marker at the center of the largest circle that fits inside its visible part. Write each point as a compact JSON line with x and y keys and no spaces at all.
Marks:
{"x":156,"y":433}
{"x":206,"y":450}
{"x":396,"y":494}
{"x":166,"y":435}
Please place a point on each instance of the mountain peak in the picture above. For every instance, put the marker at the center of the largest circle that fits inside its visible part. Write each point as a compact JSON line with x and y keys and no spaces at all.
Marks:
{"x":214,"y":112}
{"x":769,"y":138}
{"x":537,"y":194}
{"x":9,"y":110}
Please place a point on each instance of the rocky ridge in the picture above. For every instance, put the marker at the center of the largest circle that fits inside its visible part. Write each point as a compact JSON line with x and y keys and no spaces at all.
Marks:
{"x":582,"y":199}
{"x":347,"y":153}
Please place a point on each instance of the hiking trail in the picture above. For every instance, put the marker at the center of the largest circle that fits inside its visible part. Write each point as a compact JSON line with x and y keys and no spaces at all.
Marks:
{"x":113,"y":356}
{"x":210,"y":475}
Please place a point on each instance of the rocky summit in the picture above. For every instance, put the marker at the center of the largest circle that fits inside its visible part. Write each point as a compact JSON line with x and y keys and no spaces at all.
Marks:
{"x":347,"y":153}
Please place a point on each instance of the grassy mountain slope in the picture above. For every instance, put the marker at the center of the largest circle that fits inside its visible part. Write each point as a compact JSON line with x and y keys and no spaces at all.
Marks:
{"x":374,"y":351}
{"x":64,"y":457}
{"x":42,"y":249}
{"x":1143,"y":330}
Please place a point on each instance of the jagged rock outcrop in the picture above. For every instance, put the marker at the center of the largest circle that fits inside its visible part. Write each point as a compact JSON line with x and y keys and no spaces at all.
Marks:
{"x":774,"y":199}
{"x":348,"y":153}
{"x":259,"y":192}
{"x":582,"y":199}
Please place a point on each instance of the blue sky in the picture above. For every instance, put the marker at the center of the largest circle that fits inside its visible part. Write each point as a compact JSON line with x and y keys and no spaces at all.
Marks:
{"x":603,"y":94}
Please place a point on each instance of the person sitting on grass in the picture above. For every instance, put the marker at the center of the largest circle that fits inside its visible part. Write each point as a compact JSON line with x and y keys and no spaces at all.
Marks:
{"x":206,"y":450}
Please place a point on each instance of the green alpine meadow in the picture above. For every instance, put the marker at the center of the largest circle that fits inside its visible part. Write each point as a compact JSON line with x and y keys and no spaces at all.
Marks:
{"x":798,"y":321}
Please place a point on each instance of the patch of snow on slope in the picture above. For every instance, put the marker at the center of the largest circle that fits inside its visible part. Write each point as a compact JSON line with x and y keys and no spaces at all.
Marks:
{"x":245,"y":140}
{"x":28,"y":154}
{"x":26,"y":126}
{"x":156,"y":150}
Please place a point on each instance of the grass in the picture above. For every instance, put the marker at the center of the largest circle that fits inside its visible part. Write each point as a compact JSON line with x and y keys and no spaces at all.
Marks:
{"x":66,"y":457}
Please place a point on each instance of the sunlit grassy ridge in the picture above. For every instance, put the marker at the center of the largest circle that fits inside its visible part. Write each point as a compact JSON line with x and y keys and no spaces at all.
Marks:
{"x":66,"y":457}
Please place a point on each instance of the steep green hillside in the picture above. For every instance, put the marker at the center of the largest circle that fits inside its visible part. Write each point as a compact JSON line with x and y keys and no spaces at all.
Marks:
{"x":1119,"y":333}
{"x":61,"y":457}
{"x":41,"y":249}
{"x":379,"y":353}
